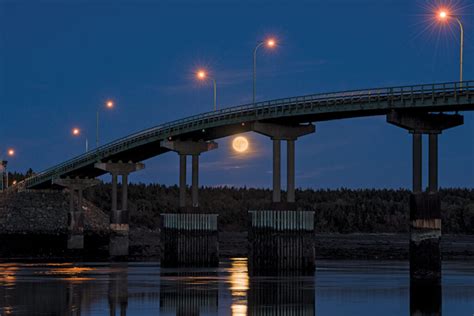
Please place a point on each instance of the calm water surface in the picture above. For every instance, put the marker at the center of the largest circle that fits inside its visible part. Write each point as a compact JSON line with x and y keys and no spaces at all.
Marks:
{"x":337,"y":288}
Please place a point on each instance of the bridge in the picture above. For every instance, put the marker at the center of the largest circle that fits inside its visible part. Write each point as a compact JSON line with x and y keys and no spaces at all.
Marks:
{"x":420,"y":109}
{"x":290,"y":111}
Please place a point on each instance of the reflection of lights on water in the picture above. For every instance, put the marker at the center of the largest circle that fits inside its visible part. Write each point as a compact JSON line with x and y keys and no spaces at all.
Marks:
{"x":8,"y":274}
{"x":76,"y":279}
{"x":239,"y":285}
{"x":7,"y":310}
{"x":69,"y":271}
{"x":239,"y":309}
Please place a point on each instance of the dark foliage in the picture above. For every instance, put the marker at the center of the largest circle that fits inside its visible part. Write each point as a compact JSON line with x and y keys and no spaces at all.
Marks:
{"x":337,"y":211}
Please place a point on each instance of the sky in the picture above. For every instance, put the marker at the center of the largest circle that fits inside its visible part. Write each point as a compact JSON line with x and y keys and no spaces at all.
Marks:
{"x":61,"y":60}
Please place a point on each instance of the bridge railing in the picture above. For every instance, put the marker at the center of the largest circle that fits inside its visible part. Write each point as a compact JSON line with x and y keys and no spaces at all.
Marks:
{"x":353,"y":96}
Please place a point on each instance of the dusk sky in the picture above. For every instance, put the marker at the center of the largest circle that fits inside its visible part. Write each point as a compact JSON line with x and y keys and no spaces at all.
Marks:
{"x":61,"y":60}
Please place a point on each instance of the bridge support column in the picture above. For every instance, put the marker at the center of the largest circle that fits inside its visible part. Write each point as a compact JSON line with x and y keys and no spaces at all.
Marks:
{"x":75,"y":216}
{"x":276,"y":171}
{"x":189,"y":239}
{"x":425,"y":207}
{"x":119,"y":218}
{"x":281,"y":238}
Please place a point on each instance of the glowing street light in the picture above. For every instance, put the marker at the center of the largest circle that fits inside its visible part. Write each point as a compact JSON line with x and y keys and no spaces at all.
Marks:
{"x":3,"y":169}
{"x":201,"y":74}
{"x":109,"y":104}
{"x":76,"y":132}
{"x":443,"y":16}
{"x":270,"y":43}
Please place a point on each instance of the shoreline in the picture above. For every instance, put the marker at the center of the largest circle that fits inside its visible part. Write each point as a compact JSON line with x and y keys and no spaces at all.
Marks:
{"x":374,"y":246}
{"x":145,"y":246}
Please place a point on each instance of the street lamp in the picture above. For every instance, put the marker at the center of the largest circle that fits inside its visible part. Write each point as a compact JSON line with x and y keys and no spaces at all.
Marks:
{"x":3,"y":169}
{"x":109,"y":104}
{"x":270,"y":43}
{"x":203,"y":75}
{"x":445,"y":15}
{"x":77,"y":132}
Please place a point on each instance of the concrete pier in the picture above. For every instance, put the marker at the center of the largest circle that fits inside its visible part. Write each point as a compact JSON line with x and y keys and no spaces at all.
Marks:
{"x":425,"y":300}
{"x":281,"y":238}
{"x":425,"y":237}
{"x":425,"y":207}
{"x":290,"y":183}
{"x":76,"y":214}
{"x":276,"y":171}
{"x":189,"y":240}
{"x":281,"y":241}
{"x":189,"y":237}
{"x":119,"y":218}
{"x":290,"y":134}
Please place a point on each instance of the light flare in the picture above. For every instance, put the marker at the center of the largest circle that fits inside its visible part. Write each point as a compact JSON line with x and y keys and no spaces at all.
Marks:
{"x":271,"y":42}
{"x":201,"y":74}
{"x":76,"y":131}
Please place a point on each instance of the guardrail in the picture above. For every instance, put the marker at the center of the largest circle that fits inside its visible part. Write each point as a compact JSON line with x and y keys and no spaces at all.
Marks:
{"x":426,"y":91}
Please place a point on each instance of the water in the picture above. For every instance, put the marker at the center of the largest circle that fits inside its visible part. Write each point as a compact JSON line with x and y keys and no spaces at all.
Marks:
{"x":337,"y":288}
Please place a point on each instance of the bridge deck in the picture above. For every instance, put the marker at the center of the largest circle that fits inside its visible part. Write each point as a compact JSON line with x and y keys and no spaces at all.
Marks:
{"x":453,"y":96}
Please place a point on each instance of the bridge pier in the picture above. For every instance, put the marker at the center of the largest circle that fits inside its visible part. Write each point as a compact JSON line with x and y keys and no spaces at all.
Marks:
{"x":281,"y":238}
{"x":425,"y":207}
{"x":119,"y":218}
{"x":75,"y":216}
{"x":189,"y":239}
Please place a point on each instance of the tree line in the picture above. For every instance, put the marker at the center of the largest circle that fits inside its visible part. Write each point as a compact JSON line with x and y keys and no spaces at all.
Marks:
{"x":336,"y":211}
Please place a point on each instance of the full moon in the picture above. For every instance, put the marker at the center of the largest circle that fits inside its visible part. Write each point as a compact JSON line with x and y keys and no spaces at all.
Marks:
{"x":240,"y":144}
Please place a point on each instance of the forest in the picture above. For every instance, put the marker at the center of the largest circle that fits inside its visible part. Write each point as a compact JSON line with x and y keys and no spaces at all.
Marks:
{"x":337,"y":211}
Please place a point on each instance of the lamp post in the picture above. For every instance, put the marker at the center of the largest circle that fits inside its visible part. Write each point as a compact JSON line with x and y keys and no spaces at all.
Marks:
{"x":270,"y":43}
{"x":3,"y":169}
{"x":202,"y":75}
{"x":109,"y":104}
{"x":444,"y":15}
{"x":77,"y":132}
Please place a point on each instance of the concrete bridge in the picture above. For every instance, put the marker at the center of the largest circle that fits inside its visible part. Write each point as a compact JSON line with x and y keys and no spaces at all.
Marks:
{"x":280,"y":237}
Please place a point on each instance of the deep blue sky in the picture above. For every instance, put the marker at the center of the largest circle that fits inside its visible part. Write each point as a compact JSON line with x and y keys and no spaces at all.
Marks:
{"x":60,"y":60}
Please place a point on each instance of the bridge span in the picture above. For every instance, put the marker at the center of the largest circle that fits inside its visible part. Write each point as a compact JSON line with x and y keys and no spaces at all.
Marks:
{"x":281,"y":236}
{"x":140,"y":146}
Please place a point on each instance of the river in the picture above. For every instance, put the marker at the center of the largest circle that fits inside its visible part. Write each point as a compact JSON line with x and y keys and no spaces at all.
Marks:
{"x":336,"y":288}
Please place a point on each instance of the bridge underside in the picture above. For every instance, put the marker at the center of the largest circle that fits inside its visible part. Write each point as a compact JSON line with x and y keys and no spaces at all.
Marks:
{"x":150,"y":149}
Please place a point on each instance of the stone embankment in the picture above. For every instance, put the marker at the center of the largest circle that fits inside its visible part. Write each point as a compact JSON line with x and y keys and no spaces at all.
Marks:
{"x":35,"y":223}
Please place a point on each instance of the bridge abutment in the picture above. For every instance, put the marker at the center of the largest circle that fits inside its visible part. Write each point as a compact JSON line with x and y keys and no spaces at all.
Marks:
{"x":281,"y":238}
{"x":119,"y":218}
{"x":425,"y":207}
{"x":76,"y":214}
{"x":189,"y":237}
